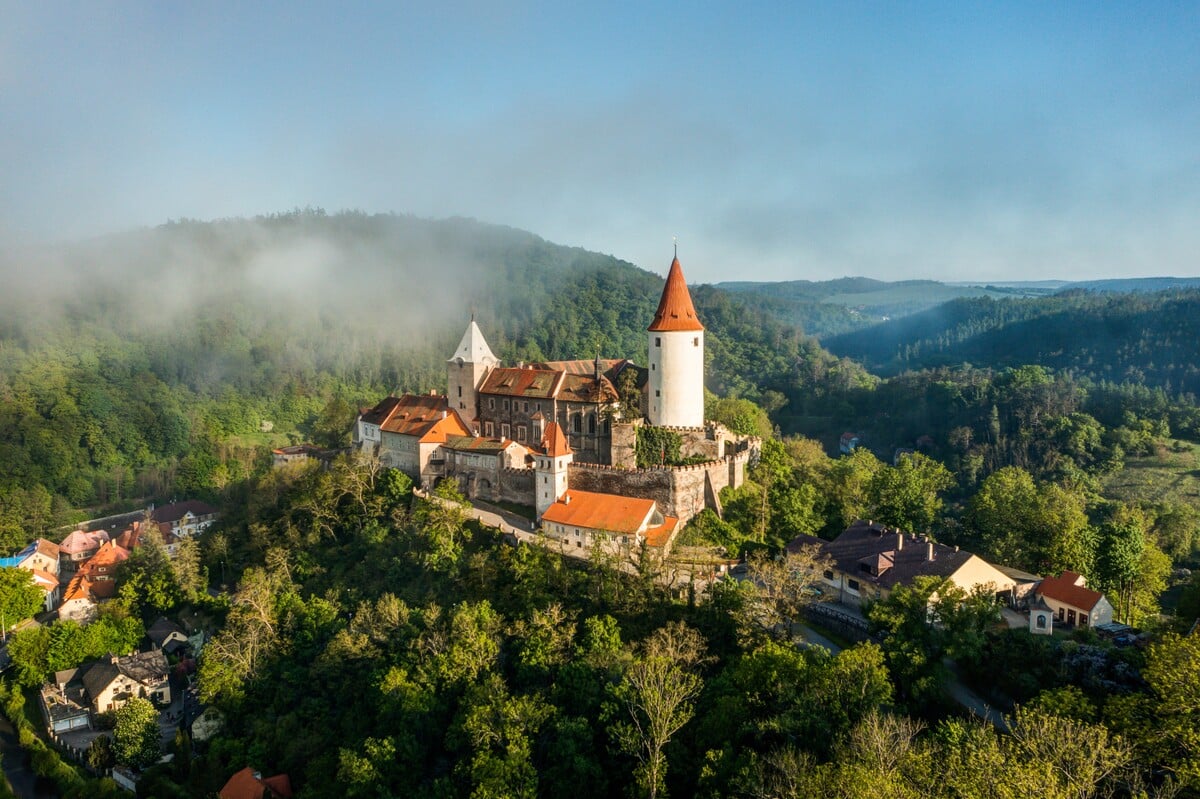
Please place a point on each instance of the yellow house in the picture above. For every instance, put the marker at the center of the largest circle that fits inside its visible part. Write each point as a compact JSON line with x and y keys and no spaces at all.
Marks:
{"x":868,"y":560}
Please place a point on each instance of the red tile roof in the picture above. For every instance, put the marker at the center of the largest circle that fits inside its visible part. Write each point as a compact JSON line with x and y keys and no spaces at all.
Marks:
{"x":246,"y":784}
{"x":80,"y":587}
{"x":80,"y":541}
{"x":1069,"y":589}
{"x":426,"y":417}
{"x":517,"y":382}
{"x":44,"y":579}
{"x":659,"y":536}
{"x":382,"y":411}
{"x":605,"y":512}
{"x":675,"y":309}
{"x":105,"y":559}
{"x":47,"y":548}
{"x":554,"y":441}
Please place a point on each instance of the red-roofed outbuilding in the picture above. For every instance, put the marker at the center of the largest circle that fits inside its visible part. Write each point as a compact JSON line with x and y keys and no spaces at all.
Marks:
{"x":1073,"y":602}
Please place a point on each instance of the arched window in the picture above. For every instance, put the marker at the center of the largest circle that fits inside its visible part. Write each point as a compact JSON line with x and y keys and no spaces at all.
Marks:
{"x":591,"y":424}
{"x":576,"y":422}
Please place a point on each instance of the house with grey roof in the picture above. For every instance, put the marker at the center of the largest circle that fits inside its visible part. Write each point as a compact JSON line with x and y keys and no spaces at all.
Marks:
{"x":109,"y":683}
{"x":869,"y":560}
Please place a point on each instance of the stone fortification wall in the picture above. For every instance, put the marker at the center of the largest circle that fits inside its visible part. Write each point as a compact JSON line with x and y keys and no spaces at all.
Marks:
{"x":681,"y":491}
{"x":652,"y":484}
{"x":712,"y":442}
{"x":623,"y":454}
{"x":516,"y":485}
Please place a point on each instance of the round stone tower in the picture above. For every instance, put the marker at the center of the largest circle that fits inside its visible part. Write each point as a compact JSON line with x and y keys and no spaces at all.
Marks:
{"x":675,"y":391}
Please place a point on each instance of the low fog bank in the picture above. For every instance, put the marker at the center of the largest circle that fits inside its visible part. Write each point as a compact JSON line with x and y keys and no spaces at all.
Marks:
{"x":385,"y":276}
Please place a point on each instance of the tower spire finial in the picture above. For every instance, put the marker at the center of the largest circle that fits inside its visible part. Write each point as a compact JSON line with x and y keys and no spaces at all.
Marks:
{"x":675,"y":240}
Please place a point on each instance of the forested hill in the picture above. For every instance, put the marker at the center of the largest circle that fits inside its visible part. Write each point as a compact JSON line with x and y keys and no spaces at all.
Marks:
{"x":833,"y":307}
{"x":1142,"y":338}
{"x":143,"y":364}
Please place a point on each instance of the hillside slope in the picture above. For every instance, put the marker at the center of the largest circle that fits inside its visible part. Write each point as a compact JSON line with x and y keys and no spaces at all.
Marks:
{"x":1144,"y":338}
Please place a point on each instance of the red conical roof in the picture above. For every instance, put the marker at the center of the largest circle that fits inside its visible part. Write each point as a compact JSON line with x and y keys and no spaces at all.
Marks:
{"x":675,"y":309}
{"x":554,"y":441}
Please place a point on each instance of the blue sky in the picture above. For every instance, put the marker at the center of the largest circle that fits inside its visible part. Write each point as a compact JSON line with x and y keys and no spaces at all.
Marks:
{"x":955,"y":141}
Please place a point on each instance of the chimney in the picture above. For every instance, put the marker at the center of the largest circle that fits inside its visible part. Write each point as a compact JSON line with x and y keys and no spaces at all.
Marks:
{"x":566,"y":499}
{"x":899,"y":541}
{"x":929,"y":550}
{"x":443,"y":414}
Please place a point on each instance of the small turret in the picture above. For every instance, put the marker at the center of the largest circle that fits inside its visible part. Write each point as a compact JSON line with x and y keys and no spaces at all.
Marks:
{"x":550,"y":468}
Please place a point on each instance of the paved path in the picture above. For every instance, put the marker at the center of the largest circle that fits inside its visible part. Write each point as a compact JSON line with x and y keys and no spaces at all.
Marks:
{"x":810,"y":637}
{"x":957,"y":690}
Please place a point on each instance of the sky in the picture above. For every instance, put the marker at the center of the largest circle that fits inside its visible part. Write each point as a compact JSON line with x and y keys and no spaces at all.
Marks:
{"x":954,"y":141}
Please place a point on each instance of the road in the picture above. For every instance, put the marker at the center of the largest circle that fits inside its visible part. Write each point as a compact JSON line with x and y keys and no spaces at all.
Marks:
{"x":959,"y":692}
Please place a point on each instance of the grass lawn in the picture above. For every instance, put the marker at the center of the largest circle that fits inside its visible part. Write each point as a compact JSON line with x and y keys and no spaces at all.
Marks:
{"x":274,"y":439}
{"x":1167,"y":476}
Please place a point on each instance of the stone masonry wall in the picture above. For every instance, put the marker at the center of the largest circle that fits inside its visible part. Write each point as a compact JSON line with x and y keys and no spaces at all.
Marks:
{"x":516,"y":485}
{"x":623,"y":454}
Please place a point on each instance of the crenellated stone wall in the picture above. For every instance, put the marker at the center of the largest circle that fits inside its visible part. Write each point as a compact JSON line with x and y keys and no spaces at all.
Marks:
{"x":516,"y":485}
{"x":681,"y":491}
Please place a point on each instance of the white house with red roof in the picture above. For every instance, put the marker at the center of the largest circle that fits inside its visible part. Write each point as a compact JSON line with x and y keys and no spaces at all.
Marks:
{"x":415,"y":427}
{"x":581,"y":519}
{"x":1073,"y":602}
{"x":93,"y":582}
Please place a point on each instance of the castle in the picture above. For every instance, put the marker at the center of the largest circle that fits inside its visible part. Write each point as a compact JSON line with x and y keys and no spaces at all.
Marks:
{"x":561,"y":436}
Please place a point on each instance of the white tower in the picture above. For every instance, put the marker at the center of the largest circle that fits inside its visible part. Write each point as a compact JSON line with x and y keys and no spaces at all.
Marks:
{"x":465,"y":373}
{"x":676,"y":385}
{"x":550,"y":468}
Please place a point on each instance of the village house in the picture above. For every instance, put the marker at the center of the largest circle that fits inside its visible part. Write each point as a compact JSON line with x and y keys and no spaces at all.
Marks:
{"x":1072,"y":602}
{"x":79,"y":546}
{"x":296,"y":453}
{"x":185,"y":519}
{"x":94,"y":581}
{"x":166,"y":635}
{"x":41,"y":558}
{"x":40,"y":555}
{"x":77,"y":695}
{"x":868,"y":560}
{"x":112,"y":682}
{"x":51,"y":588}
